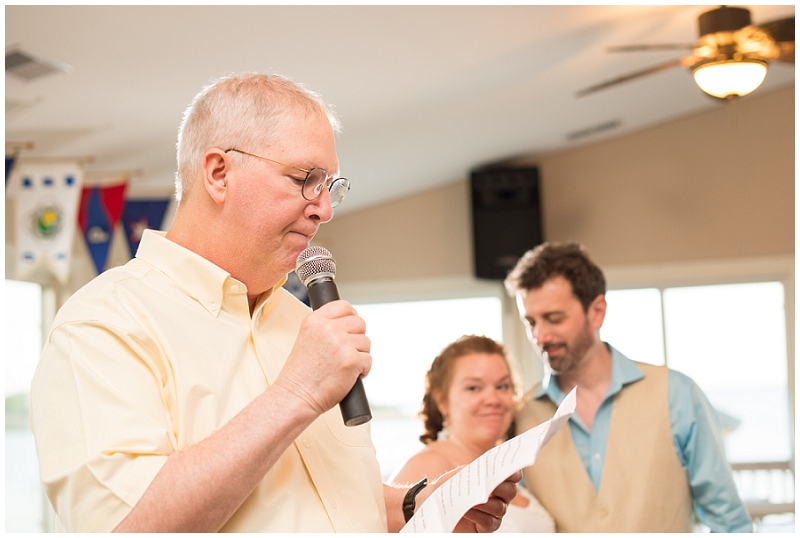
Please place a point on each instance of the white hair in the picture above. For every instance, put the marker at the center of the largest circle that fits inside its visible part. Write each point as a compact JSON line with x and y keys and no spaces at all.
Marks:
{"x":240,"y":110}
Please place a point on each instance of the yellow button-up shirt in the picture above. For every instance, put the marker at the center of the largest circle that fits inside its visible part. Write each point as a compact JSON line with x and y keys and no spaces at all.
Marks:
{"x":157,"y":355}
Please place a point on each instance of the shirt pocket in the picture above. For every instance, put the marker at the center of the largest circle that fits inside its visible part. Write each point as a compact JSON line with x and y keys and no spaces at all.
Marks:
{"x":347,"y":435}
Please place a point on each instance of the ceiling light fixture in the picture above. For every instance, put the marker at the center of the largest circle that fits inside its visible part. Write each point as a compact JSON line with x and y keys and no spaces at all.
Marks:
{"x":729,"y":79}
{"x":729,"y":60}
{"x":730,"y":53}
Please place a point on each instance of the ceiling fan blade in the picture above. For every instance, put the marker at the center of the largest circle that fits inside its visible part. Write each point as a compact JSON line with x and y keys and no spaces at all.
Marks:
{"x":781,"y":30}
{"x":787,"y":52}
{"x":661,"y":46}
{"x":644,"y":72}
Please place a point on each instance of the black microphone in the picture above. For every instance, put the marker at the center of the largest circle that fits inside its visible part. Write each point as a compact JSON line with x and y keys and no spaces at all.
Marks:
{"x":316,"y":268}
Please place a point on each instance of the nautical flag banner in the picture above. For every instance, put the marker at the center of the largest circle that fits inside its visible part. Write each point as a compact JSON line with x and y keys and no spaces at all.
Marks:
{"x":46,"y":196}
{"x":100,"y":210}
{"x":10,"y":160}
{"x":295,"y":286}
{"x":140,"y":215}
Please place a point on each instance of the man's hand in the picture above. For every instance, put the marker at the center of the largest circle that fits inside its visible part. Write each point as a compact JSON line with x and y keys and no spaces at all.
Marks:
{"x":487,"y":517}
{"x":484,"y":517}
{"x":331,"y":351}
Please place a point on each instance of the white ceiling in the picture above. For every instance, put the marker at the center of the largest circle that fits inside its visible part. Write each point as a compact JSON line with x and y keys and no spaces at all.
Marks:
{"x":426,"y":93}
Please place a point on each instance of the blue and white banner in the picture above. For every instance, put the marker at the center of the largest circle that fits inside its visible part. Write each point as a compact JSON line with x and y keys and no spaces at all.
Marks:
{"x":141,"y":215}
{"x":296,"y":287}
{"x":10,"y":160}
{"x":47,"y":196}
{"x":100,"y":210}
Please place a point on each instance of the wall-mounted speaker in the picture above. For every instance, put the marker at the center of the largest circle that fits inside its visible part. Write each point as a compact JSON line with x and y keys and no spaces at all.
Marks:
{"x":506,"y":218}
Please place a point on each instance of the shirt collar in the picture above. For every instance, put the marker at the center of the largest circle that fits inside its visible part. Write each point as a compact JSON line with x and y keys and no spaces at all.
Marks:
{"x":623,"y":372}
{"x":201,"y":279}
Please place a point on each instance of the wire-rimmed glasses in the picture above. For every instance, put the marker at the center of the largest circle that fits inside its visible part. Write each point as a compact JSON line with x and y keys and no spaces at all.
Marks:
{"x":316,"y":179}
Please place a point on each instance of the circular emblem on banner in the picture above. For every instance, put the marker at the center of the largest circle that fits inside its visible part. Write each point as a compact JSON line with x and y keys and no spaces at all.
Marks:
{"x":46,"y":221}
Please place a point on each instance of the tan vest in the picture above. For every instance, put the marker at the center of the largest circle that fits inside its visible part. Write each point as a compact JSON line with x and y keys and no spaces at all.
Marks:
{"x":643,"y":488}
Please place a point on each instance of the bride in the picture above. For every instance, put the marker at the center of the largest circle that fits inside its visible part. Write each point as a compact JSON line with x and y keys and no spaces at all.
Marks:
{"x":468,"y":408}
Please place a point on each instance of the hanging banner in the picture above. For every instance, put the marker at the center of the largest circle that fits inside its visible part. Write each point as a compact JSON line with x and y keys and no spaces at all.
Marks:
{"x":296,"y":287}
{"x":140,"y":215}
{"x":46,"y":196}
{"x":10,"y":160}
{"x":100,"y":211}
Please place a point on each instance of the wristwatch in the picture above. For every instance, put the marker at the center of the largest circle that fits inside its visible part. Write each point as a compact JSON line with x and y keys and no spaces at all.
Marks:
{"x":409,"y":501}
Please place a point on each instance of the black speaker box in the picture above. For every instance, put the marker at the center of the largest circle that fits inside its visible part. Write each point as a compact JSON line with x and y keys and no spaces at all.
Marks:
{"x":506,"y":218}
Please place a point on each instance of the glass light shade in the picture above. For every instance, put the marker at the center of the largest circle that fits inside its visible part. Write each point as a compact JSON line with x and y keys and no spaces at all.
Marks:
{"x":730,"y":78}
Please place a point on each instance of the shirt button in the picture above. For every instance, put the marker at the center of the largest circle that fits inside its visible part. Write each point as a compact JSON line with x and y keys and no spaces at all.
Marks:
{"x":597,"y":457}
{"x":333,"y":505}
{"x":235,"y":287}
{"x":306,"y":443}
{"x":213,"y":305}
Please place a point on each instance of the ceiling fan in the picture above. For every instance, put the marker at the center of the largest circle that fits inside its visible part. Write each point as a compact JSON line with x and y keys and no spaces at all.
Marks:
{"x":729,"y":59}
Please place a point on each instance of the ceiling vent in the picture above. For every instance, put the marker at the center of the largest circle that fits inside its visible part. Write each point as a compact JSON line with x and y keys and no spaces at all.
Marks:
{"x":28,"y":67}
{"x":613,"y":124}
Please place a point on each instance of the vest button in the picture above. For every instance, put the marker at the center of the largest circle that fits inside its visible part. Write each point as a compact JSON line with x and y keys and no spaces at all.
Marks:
{"x":602,"y":513}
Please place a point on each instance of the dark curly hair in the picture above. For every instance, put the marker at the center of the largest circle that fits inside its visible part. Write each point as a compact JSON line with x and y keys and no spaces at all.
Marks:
{"x":569,"y":260}
{"x":440,"y":375}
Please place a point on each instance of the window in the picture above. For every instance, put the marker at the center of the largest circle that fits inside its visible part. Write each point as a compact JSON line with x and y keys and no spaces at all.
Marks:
{"x":406,"y":337}
{"x":634,"y":325}
{"x":23,"y":321}
{"x":731,"y":340}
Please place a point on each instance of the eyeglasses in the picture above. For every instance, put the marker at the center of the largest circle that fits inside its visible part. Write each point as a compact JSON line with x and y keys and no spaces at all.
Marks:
{"x":316,"y":179}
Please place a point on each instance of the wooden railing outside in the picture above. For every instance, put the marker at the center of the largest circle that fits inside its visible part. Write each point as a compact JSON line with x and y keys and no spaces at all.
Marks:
{"x":766,"y":487}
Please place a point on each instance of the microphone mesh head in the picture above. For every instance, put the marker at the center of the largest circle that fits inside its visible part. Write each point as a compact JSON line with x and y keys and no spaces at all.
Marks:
{"x":314,"y":262}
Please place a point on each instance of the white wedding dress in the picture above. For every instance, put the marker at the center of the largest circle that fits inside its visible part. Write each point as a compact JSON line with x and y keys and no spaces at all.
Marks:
{"x":531,"y":518}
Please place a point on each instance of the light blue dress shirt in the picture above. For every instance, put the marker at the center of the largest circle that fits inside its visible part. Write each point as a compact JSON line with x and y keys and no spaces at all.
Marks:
{"x":695,"y":434}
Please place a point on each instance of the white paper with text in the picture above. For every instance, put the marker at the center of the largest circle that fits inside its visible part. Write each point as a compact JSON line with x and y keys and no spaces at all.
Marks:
{"x":473,"y":484}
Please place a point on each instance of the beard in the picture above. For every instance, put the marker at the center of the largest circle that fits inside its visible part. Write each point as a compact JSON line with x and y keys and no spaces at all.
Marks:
{"x":571,"y":353}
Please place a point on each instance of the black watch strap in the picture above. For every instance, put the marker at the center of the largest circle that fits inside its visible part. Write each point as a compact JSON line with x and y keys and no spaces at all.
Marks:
{"x":409,"y":501}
